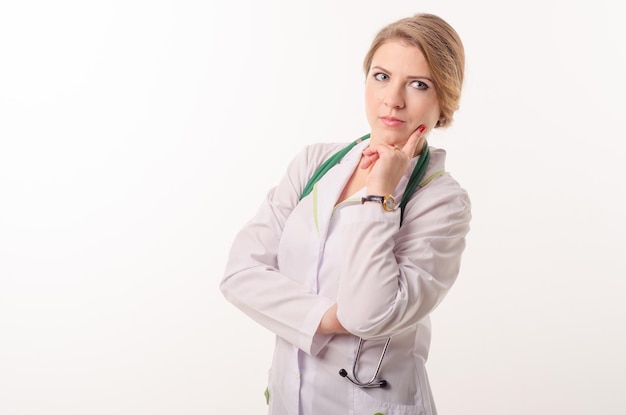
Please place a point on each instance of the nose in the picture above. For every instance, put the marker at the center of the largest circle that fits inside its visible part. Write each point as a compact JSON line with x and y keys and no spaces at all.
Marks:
{"x":394,"y":97}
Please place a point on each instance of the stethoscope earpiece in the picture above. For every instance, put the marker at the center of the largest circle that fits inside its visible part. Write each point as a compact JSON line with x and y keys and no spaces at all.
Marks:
{"x":372,"y":383}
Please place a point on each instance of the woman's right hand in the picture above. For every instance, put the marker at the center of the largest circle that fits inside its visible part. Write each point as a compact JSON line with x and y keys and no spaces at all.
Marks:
{"x":389,"y":163}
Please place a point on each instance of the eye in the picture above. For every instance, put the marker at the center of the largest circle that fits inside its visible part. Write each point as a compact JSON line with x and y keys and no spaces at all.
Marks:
{"x":381,"y":76}
{"x":419,"y":85}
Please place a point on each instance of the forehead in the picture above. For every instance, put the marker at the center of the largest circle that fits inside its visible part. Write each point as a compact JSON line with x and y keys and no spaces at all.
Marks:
{"x":399,"y":55}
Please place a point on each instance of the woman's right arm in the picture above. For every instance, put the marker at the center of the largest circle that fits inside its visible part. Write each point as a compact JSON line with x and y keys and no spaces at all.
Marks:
{"x":252,"y":280}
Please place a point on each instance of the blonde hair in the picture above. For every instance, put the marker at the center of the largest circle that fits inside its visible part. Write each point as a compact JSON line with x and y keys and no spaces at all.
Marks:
{"x":443,"y":50}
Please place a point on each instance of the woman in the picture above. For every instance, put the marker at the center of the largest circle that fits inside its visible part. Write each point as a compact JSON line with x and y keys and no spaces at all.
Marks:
{"x":365,"y":254}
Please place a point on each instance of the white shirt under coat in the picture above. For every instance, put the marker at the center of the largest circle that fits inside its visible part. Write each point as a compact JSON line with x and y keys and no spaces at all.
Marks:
{"x":295,"y":259}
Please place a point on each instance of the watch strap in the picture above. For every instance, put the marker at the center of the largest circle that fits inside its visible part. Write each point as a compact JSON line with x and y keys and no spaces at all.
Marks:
{"x":373,"y":198}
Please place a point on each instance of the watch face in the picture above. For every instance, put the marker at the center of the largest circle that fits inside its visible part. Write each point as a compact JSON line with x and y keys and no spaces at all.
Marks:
{"x":389,"y":203}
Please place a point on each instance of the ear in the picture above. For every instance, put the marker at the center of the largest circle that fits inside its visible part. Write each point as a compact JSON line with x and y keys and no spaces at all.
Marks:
{"x":441,"y":121}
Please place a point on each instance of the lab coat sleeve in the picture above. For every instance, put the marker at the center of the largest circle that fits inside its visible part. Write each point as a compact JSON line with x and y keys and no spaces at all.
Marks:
{"x":252,"y":281}
{"x":392,"y":277}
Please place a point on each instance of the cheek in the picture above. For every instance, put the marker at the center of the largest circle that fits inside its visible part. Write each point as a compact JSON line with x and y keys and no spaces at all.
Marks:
{"x":428,"y":110}
{"x":370,"y":101}
{"x":369,"y":94}
{"x":433,"y":114}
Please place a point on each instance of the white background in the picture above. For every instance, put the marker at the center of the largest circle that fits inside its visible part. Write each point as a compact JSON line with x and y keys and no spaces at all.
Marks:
{"x":137,"y":137}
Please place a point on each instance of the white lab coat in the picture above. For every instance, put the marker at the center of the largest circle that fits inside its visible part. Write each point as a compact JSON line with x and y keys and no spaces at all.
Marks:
{"x":294,"y":259}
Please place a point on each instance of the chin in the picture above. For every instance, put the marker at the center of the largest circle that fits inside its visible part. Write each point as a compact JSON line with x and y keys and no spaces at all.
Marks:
{"x":391,"y":137}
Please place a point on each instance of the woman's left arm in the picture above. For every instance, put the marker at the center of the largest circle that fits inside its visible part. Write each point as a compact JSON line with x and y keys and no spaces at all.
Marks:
{"x":391,"y":277}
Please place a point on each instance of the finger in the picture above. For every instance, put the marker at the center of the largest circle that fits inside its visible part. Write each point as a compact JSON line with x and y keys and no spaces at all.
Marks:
{"x":369,"y":156}
{"x":414,"y":140}
{"x":368,"y":151}
{"x":368,"y":160}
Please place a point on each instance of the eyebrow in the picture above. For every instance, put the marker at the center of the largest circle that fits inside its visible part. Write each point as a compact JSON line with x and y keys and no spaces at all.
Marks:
{"x":380,"y":68}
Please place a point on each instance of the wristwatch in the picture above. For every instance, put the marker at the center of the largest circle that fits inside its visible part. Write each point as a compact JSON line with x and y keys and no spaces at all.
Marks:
{"x":388,"y":202}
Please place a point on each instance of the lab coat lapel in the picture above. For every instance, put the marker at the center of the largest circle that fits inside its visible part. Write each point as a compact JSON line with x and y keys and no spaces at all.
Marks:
{"x":331,"y":185}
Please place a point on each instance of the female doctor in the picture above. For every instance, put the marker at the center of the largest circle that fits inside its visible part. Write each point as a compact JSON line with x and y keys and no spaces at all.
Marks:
{"x":345,"y":265}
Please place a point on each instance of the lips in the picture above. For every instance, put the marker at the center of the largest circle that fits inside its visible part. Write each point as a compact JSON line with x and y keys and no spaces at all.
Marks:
{"x":391,"y":121}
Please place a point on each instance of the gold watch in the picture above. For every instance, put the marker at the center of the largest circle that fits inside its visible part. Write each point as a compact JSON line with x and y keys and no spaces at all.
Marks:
{"x":388,"y":202}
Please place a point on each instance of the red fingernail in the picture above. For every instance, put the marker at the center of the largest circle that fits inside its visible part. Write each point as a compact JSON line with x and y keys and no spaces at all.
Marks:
{"x":422,"y":128}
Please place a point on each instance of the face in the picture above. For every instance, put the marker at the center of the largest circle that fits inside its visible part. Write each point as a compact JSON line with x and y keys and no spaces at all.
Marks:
{"x":399,"y":94}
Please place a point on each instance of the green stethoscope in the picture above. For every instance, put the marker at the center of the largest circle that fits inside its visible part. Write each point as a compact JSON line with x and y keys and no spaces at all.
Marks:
{"x":414,"y":180}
